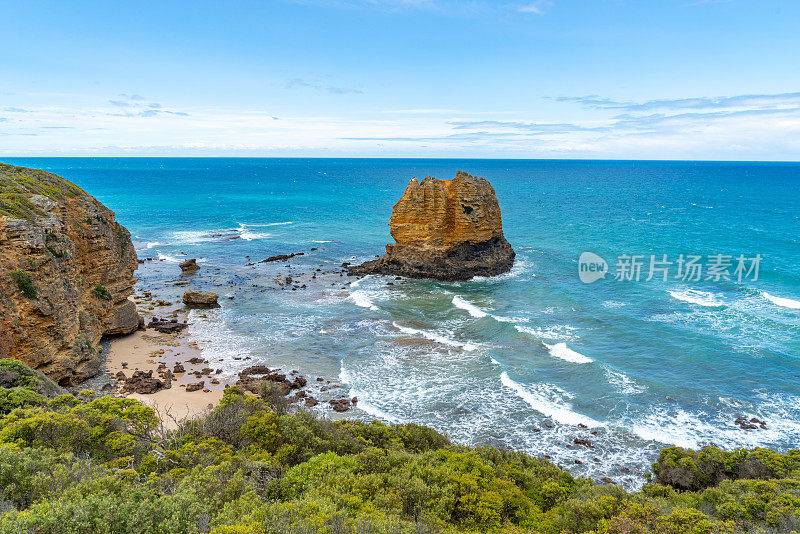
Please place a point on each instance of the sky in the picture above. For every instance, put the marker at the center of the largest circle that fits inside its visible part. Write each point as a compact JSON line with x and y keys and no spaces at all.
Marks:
{"x":593,"y":79}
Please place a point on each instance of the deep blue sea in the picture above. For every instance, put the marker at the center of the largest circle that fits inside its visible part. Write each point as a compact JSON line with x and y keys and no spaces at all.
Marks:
{"x":522,"y":359}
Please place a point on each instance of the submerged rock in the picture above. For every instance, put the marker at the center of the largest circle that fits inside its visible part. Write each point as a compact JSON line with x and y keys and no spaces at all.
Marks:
{"x":445,"y":229}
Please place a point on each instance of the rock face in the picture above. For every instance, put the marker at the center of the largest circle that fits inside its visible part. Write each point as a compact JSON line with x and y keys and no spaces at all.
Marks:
{"x":200,"y":299}
{"x":66,"y":272}
{"x":445,"y":229}
{"x":189,"y":266}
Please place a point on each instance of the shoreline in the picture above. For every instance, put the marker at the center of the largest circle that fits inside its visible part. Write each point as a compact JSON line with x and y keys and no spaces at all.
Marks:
{"x":191,"y":384}
{"x":151,"y":351}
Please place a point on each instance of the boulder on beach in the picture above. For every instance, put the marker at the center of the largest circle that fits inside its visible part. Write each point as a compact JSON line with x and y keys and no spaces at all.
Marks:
{"x":189,"y":266}
{"x":445,"y":229}
{"x":200,"y":299}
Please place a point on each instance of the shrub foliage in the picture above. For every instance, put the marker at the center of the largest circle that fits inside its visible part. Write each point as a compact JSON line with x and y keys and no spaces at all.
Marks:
{"x":82,"y":464}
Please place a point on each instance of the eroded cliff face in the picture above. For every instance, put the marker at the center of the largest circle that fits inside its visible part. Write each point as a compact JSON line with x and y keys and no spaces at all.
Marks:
{"x":445,"y":229}
{"x":66,"y":272}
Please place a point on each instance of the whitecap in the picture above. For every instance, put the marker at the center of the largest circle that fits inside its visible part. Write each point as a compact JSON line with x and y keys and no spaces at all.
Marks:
{"x":249,"y":235}
{"x":701,"y":298}
{"x":540,"y":402}
{"x":152,"y":244}
{"x":623,"y":383}
{"x":191,"y":237}
{"x":433,"y":336}
{"x":473,"y":310}
{"x":356,"y":283}
{"x":168,"y":258}
{"x":560,"y":350}
{"x":553,"y":332}
{"x":267,"y":224}
{"x":780,"y":301}
{"x":361,"y":299}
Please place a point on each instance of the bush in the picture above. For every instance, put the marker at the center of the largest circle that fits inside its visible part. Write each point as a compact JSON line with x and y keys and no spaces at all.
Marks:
{"x":106,"y":465}
{"x":685,"y":469}
{"x":24,"y":283}
{"x":102,"y":293}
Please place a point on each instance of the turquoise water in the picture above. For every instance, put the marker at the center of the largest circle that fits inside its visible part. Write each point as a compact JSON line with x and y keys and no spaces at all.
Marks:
{"x":521,"y":359}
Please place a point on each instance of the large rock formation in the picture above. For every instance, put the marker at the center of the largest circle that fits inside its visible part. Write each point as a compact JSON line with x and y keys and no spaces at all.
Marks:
{"x":66,"y":272}
{"x":445,"y":229}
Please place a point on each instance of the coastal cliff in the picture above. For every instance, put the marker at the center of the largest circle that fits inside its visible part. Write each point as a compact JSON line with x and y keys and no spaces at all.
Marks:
{"x":66,"y":272}
{"x":445,"y":229}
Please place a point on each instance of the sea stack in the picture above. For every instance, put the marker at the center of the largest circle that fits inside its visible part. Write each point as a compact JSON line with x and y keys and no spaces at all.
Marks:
{"x":448,"y":230}
{"x":66,"y":272}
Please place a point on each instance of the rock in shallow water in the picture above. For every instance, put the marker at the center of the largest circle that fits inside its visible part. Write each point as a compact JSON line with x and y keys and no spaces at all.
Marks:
{"x":200,"y":299}
{"x":445,"y":229}
{"x":189,"y":266}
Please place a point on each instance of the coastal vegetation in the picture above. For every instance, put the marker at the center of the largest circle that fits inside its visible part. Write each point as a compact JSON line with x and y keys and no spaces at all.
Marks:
{"x":19,"y":183}
{"x":104,"y":464}
{"x":24,"y":283}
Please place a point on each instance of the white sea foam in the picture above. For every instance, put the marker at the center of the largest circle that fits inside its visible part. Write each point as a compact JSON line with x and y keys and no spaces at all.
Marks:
{"x":323,"y":241}
{"x":364,"y":403}
{"x":473,"y":310}
{"x":168,"y":258}
{"x":519,"y":268}
{"x":361,"y":299}
{"x":191,"y":237}
{"x":249,"y":235}
{"x":540,"y":402}
{"x":261,"y":225}
{"x":679,"y":428}
{"x":555,"y":332}
{"x":503,"y":319}
{"x":623,"y":383}
{"x":152,"y":244}
{"x":701,"y":298}
{"x":780,"y":301}
{"x":560,"y":350}
{"x":433,"y":336}
{"x":357,"y":283}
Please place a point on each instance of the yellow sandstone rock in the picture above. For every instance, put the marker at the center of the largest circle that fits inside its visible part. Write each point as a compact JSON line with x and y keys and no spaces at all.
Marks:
{"x":445,"y":229}
{"x":66,"y":272}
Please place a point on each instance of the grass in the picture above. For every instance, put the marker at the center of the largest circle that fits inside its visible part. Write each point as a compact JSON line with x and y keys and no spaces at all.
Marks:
{"x":17,"y":184}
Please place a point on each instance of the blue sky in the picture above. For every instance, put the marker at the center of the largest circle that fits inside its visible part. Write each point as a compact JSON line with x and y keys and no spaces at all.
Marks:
{"x":641,"y":79}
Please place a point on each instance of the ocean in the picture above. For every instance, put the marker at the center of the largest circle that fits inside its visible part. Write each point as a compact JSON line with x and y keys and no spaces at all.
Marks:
{"x":531,"y":359}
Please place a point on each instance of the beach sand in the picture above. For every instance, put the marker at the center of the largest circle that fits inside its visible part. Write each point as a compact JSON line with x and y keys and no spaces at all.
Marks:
{"x":146,"y":350}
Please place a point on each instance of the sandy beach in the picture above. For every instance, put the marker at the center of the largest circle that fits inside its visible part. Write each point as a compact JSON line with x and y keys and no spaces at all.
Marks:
{"x":147,"y":351}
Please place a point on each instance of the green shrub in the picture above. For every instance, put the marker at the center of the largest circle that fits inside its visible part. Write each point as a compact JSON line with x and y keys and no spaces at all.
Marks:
{"x":102,"y":293}
{"x":107,"y":466}
{"x":24,"y":283}
{"x":685,"y":469}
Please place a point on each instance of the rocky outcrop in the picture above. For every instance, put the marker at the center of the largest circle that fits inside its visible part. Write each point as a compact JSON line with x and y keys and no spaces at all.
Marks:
{"x":66,"y":272}
{"x":200,"y":299}
{"x":189,"y":266}
{"x":445,"y":229}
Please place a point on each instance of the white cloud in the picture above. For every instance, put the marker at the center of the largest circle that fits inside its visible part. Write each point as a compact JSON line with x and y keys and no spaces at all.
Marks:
{"x":744,"y":127}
